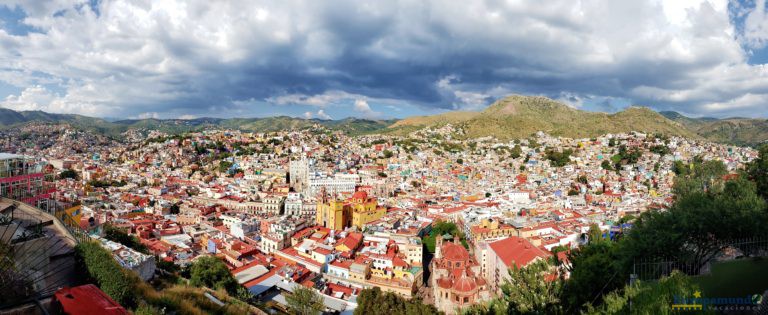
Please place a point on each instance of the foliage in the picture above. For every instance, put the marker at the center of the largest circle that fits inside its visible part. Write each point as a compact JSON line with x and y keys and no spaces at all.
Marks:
{"x":660,"y":150}
{"x":516,"y":151}
{"x":126,"y":288}
{"x":647,"y":298}
{"x":374,"y":302}
{"x":596,"y":269}
{"x":224,"y":166}
{"x":606,"y":165}
{"x":700,"y":176}
{"x":530,"y":290}
{"x":695,"y":228}
{"x":627,"y":156}
{"x":626,"y":218}
{"x":115,"y":234}
{"x":305,"y":301}
{"x":105,"y":183}
{"x":758,"y":171}
{"x":211,"y":272}
{"x":445,"y":227}
{"x":101,"y":268}
{"x":69,"y":174}
{"x":442,"y":228}
{"x":558,"y":158}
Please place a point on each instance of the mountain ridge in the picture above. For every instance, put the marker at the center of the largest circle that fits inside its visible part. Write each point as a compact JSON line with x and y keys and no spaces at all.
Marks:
{"x":519,"y":116}
{"x":515,"y":116}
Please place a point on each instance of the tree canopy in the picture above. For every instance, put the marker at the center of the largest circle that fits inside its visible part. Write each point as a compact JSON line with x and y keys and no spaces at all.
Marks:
{"x":758,"y":171}
{"x":211,"y":272}
{"x":374,"y":301}
{"x":305,"y":301}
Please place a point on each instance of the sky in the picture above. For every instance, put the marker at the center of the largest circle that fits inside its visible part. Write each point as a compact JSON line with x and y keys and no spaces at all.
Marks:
{"x":379,"y":59}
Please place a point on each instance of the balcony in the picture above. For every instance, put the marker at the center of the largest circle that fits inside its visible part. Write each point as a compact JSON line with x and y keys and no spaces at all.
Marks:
{"x":36,"y":253}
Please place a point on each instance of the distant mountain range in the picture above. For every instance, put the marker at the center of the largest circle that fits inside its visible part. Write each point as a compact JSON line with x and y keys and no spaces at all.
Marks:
{"x":521,"y":116}
{"x":739,"y":131}
{"x":10,"y":118}
{"x":515,"y":116}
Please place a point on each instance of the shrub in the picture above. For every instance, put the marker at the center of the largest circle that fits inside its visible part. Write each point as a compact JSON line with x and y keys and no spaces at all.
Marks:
{"x":102,"y":268}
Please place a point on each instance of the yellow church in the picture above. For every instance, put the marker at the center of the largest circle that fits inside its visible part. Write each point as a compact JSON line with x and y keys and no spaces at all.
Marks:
{"x":356,"y":211}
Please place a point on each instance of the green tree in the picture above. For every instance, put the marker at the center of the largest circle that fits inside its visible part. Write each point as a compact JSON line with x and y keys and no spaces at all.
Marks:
{"x":101,"y":268}
{"x":373,"y":301}
{"x":647,"y":297}
{"x":558,"y":158}
{"x":596,"y":269}
{"x":660,"y":150}
{"x":704,"y":176}
{"x":516,"y":151}
{"x":115,"y":234}
{"x":758,"y":171}
{"x":211,"y":272}
{"x":606,"y":165}
{"x":224,"y":166}
{"x":305,"y":301}
{"x":699,"y":224}
{"x":529,"y":290}
{"x":69,"y":174}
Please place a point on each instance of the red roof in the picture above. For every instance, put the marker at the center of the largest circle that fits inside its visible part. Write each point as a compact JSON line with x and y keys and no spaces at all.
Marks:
{"x":517,"y":251}
{"x":464,"y":284}
{"x":360,"y":194}
{"x":87,"y":299}
{"x":454,"y":252}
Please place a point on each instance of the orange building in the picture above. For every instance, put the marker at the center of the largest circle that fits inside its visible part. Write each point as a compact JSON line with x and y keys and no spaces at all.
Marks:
{"x":456,"y":278}
{"x":356,"y":211}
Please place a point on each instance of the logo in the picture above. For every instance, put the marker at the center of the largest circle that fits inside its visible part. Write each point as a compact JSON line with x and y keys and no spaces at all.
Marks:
{"x":697,"y":302}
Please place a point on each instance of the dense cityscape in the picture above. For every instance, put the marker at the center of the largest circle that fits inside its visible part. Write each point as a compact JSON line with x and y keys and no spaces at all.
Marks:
{"x":358,"y":157}
{"x":426,"y":217}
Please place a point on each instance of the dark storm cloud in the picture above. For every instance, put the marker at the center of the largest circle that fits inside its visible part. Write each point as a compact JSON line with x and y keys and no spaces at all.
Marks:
{"x":202,"y":58}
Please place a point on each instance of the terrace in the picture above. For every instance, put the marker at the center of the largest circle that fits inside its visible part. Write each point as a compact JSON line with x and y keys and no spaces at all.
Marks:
{"x":36,"y":253}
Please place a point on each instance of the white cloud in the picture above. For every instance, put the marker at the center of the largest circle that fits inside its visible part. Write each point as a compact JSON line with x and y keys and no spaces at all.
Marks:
{"x":181,"y":56}
{"x":361,"y":106}
{"x":308,"y":115}
{"x":319,"y":100}
{"x":322,"y":115}
{"x":756,"y":26}
{"x":31,"y":98}
{"x":148,"y":115}
{"x":187,"y":117}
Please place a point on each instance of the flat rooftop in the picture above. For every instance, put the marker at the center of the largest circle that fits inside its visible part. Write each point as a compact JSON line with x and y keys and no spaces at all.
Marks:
{"x":9,"y":156}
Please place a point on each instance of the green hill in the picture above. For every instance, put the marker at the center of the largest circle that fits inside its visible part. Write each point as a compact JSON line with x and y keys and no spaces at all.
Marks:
{"x":353,"y":126}
{"x":740,"y":131}
{"x":521,"y":116}
{"x":515,"y":116}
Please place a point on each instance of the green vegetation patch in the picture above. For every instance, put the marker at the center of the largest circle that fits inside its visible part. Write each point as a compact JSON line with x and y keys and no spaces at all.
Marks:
{"x":735,"y":278}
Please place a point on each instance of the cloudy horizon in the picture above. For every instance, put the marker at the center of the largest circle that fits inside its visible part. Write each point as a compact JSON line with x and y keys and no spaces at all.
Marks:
{"x":379,"y":59}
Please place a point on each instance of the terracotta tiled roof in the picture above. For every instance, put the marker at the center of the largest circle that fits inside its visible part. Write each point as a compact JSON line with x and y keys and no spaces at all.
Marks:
{"x":517,"y":251}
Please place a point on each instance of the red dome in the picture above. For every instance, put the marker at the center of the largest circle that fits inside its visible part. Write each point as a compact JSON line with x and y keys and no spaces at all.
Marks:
{"x":360,"y":194}
{"x":454,"y":252}
{"x":464,"y":284}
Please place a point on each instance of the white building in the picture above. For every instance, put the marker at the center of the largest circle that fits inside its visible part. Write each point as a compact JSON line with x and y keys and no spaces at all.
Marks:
{"x":339,"y":183}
